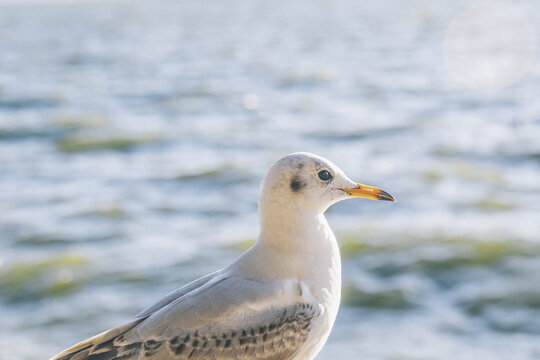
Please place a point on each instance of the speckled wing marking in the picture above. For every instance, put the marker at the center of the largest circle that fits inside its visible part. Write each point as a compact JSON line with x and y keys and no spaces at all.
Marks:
{"x":276,"y":338}
{"x":96,"y":344}
{"x":225,"y":318}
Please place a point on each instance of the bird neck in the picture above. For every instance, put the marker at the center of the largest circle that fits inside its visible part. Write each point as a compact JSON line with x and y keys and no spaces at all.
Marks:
{"x":297,"y":245}
{"x":294,"y":229}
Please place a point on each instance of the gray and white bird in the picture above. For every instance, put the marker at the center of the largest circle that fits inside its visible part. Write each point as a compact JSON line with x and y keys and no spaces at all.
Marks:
{"x":278,"y":300}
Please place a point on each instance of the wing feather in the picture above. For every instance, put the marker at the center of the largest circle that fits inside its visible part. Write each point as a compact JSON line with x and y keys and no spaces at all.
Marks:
{"x":177,"y":294}
{"x":99,"y":344}
{"x":225,"y":317}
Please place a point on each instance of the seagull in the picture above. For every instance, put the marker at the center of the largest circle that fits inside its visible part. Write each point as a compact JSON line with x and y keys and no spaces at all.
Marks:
{"x":278,"y":300}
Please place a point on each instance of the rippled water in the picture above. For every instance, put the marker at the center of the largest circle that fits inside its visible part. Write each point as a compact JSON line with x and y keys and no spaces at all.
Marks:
{"x":134,"y":135}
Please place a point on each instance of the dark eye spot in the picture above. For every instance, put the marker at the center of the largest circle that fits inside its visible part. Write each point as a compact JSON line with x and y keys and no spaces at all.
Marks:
{"x":325,"y":175}
{"x":297,"y":184}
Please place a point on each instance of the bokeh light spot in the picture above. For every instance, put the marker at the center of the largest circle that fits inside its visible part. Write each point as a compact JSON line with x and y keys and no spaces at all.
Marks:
{"x":490,"y":45}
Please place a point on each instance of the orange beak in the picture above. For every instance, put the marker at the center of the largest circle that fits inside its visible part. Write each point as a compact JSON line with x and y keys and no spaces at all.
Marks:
{"x":369,"y":192}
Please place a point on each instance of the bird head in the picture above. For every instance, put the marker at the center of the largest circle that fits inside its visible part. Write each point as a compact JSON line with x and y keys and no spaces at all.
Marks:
{"x":311,"y":183}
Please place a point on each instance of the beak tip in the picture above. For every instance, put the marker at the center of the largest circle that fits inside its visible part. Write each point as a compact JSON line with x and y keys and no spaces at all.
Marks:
{"x":386,"y":196}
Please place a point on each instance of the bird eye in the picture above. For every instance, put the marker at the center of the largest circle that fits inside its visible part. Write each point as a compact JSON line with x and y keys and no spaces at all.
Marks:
{"x":325,"y":175}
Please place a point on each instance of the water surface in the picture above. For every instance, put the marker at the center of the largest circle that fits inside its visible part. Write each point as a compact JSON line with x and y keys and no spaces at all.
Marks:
{"x":134,"y":136}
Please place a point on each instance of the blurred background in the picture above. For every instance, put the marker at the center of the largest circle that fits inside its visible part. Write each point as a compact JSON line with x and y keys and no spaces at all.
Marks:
{"x":134,"y":136}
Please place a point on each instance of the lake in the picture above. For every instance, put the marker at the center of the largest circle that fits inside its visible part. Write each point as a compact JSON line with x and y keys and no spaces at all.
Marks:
{"x":134,"y":136}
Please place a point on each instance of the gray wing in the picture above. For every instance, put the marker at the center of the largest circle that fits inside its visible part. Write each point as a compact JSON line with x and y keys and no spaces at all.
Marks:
{"x":224,"y":318}
{"x":177,"y":294}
